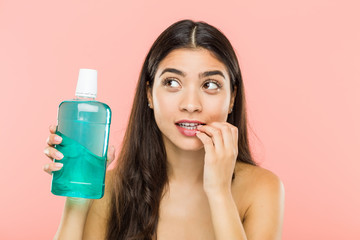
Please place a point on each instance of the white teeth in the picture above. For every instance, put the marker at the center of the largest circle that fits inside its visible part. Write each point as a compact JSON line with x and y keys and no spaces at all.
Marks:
{"x":190,"y":126}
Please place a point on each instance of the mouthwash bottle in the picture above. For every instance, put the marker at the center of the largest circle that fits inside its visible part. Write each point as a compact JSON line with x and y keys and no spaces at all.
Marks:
{"x":84,"y":125}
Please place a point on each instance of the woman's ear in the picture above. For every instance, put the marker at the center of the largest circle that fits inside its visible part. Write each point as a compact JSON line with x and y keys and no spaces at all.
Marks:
{"x":149,"y":95}
{"x":232,"y":99}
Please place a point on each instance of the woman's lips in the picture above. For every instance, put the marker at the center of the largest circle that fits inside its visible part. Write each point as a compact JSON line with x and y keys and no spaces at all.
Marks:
{"x":187,"y":132}
{"x":188,"y":127}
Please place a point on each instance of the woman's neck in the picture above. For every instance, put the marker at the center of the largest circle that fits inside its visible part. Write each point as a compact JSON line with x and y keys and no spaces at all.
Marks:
{"x":185,"y":166}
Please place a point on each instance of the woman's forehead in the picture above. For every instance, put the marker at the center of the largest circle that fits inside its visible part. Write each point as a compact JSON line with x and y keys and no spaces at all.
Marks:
{"x":191,"y":59}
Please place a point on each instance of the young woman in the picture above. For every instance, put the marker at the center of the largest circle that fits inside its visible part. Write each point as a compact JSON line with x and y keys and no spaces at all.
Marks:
{"x":185,"y":170}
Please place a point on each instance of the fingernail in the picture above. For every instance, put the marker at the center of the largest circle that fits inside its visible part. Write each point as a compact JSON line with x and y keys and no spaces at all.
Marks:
{"x":59,"y":155}
{"x":57,"y":138}
{"x":46,"y":151}
{"x":46,"y":167}
{"x":58,"y":165}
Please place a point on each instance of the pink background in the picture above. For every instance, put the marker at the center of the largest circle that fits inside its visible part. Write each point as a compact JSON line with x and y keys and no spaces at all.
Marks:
{"x":300,"y":63}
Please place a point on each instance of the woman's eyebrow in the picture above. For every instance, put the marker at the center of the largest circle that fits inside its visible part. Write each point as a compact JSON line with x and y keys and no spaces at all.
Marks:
{"x":173,"y":70}
{"x":211,"y":73}
{"x":201,"y":75}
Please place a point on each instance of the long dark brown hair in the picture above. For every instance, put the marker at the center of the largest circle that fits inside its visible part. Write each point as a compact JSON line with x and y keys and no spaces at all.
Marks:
{"x":141,"y":170}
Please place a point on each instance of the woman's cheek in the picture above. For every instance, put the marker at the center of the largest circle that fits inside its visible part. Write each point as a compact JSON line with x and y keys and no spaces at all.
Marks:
{"x":165,"y":103}
{"x":217,"y":110}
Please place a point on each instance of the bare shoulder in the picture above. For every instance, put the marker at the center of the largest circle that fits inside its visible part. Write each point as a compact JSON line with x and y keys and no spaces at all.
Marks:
{"x":98,"y":215}
{"x":256,"y":179}
{"x":252,"y":183}
{"x":259,"y":192}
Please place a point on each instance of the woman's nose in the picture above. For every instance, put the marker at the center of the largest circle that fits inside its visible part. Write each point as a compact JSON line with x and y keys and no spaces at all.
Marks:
{"x":191,"y":102}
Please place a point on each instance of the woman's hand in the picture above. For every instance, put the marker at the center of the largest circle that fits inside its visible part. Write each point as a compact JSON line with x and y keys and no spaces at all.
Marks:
{"x":220,"y":141}
{"x":52,"y":152}
{"x":76,"y":209}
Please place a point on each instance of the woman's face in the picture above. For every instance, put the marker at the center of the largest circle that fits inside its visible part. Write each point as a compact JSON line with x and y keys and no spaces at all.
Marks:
{"x":191,"y":86}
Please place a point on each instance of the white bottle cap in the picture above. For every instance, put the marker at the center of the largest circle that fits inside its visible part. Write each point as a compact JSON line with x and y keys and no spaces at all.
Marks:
{"x":87,"y":83}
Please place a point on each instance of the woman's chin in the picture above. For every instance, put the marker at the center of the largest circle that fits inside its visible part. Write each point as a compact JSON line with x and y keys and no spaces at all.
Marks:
{"x":193,"y":148}
{"x":186,"y":144}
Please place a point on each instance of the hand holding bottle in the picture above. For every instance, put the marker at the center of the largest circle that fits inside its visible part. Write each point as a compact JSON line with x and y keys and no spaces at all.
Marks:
{"x":76,"y":209}
{"x":51,"y":152}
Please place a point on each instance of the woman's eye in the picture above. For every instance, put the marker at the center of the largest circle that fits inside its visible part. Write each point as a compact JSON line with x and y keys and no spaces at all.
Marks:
{"x":212,"y":85}
{"x":172,"y":83}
